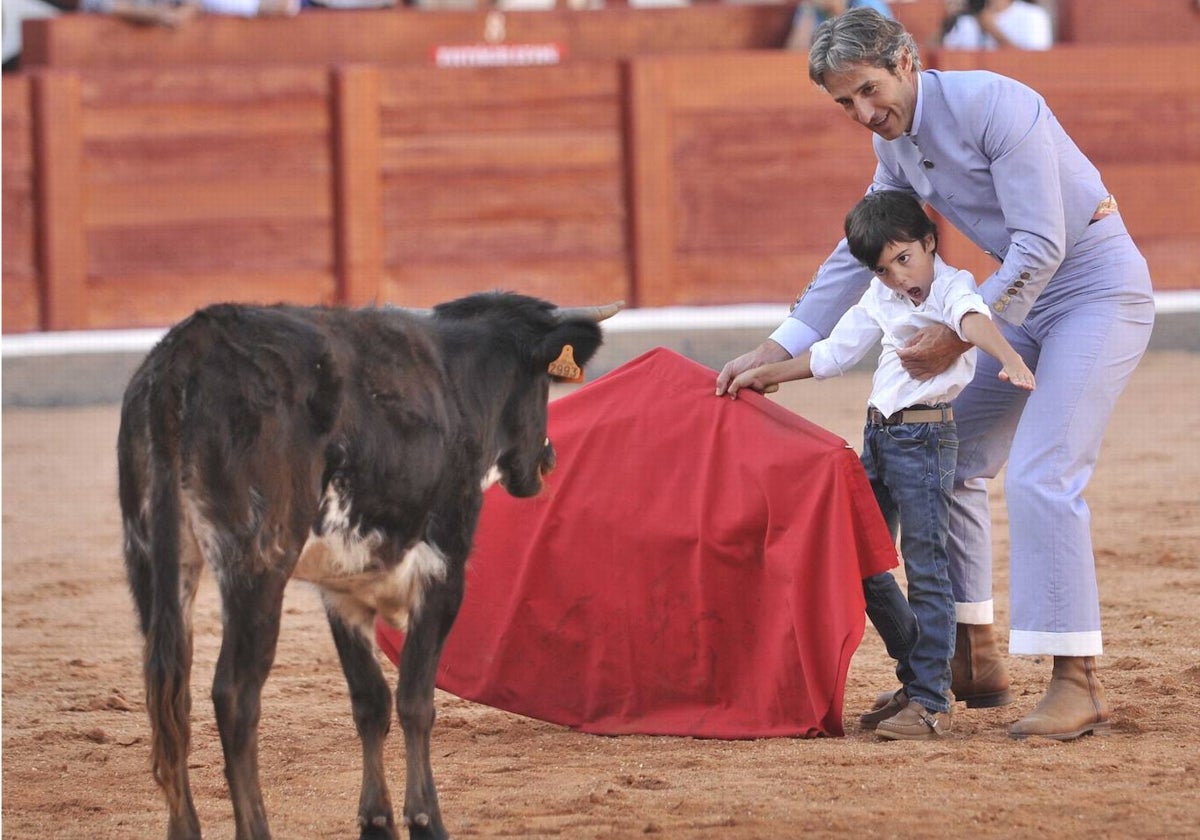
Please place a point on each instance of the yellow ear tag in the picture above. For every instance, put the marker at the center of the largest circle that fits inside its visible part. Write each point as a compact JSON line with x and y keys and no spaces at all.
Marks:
{"x":564,"y":367}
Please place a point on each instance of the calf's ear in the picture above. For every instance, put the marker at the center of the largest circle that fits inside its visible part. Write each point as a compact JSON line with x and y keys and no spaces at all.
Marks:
{"x":584,"y":339}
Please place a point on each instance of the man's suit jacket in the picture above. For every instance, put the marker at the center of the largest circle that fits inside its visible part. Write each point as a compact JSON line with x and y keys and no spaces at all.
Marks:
{"x":988,"y":154}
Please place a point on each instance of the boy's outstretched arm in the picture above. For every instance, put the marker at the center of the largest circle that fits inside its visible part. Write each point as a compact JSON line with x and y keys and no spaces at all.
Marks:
{"x":764,"y":376}
{"x":980,"y":331}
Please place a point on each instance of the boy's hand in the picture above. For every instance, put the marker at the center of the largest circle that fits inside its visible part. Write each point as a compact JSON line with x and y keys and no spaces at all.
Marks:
{"x":768,"y":351}
{"x":751,"y":379}
{"x":1019,"y":375}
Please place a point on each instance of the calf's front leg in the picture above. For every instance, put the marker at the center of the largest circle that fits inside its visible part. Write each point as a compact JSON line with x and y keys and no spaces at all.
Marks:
{"x":414,"y":705}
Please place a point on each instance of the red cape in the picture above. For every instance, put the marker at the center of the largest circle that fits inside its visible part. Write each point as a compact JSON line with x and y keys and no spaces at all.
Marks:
{"x":692,"y":568}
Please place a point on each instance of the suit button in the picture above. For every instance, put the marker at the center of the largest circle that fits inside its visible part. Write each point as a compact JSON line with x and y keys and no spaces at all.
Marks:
{"x":1005,"y":298}
{"x":1018,"y":283}
{"x":1025,"y":275}
{"x":998,"y":306}
{"x":1012,"y":290}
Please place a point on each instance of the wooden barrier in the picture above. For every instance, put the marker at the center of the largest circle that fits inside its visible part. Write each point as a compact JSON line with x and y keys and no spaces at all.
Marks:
{"x":402,"y":35}
{"x":1133,"y":112}
{"x":744,"y":173}
{"x":134,"y":194}
{"x":204,"y":184}
{"x":1112,"y":22}
{"x":509,"y":177}
{"x":21,"y":305}
{"x":411,"y":36}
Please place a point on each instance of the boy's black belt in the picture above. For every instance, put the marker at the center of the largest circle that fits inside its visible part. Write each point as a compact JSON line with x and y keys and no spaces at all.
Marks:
{"x":912,"y":414}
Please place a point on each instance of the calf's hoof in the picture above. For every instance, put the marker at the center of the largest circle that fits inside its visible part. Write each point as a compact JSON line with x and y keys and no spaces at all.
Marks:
{"x":421,"y":827}
{"x":381,"y":827}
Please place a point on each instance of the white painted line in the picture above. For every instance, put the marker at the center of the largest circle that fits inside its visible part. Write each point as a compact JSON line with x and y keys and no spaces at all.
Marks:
{"x":1171,"y":303}
{"x":764,"y":316}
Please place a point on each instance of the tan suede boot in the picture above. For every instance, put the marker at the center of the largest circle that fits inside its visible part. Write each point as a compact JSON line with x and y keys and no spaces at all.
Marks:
{"x":1073,"y":705}
{"x":978,"y":674}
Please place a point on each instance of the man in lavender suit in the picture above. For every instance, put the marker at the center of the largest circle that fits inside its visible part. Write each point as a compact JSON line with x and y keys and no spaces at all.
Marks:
{"x":1071,"y":293}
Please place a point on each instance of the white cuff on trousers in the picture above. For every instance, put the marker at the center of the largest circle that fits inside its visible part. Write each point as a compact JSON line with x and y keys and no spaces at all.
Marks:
{"x":976,"y":612}
{"x":1039,"y":643}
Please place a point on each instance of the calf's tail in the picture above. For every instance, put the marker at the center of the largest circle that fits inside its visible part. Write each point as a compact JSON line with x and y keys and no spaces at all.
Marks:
{"x":152,"y":511}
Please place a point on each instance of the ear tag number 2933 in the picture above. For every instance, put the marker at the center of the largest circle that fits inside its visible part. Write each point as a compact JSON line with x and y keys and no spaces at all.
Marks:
{"x":564,"y":367}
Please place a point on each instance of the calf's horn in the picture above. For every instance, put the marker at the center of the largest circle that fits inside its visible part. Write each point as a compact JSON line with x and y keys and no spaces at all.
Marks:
{"x":592,"y":313}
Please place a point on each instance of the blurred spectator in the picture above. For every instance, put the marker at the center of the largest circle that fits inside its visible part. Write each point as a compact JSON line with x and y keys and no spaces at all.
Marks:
{"x":251,"y":8}
{"x":812,"y":13}
{"x":175,"y":12}
{"x":350,"y":4}
{"x":15,"y":11}
{"x":991,"y":24}
{"x":160,"y":12}
{"x":170,"y":13}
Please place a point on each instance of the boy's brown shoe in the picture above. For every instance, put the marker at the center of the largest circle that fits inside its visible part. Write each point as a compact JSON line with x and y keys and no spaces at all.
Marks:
{"x":914,"y":723}
{"x":887,"y":705}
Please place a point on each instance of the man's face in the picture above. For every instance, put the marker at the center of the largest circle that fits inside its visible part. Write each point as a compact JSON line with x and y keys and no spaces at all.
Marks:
{"x":875,"y":98}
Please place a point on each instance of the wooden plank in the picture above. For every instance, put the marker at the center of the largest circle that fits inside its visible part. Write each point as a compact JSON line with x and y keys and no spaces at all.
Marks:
{"x":1172,"y":262}
{"x":485,"y":241}
{"x":517,"y":93}
{"x":184,"y":201}
{"x":145,"y":83}
{"x":514,"y":176}
{"x":760,"y":167}
{"x":206,"y":119}
{"x":585,"y":194}
{"x":565,"y":281}
{"x":742,"y":81}
{"x":15,"y":97}
{"x":504,"y":114}
{"x":729,"y":278}
{"x":401,"y":35}
{"x":158,"y":159}
{"x":1148,"y":22}
{"x":221,"y":247}
{"x":1157,"y":200}
{"x":161,"y":299}
{"x":500,"y":151}
{"x":205,"y":172}
{"x":651,"y":185}
{"x":1161,"y":208}
{"x":62,"y":243}
{"x":358,"y":185}
{"x":774,"y":180}
{"x":21,"y":298}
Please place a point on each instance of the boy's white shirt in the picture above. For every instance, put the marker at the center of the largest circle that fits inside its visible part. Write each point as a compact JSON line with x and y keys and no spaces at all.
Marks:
{"x":891,"y":319}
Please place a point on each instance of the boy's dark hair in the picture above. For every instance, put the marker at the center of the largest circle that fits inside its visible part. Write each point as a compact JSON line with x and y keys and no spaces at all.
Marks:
{"x":883,"y":217}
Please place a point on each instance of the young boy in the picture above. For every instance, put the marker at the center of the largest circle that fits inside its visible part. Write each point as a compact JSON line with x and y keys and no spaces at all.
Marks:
{"x":910,"y":443}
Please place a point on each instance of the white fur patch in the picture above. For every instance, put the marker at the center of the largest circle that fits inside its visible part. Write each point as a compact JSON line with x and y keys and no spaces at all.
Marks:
{"x":490,"y":477}
{"x":360,"y":591}
{"x":340,"y":550}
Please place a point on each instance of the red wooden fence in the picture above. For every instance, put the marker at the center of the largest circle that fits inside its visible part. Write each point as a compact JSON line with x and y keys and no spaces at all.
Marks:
{"x":133,"y":193}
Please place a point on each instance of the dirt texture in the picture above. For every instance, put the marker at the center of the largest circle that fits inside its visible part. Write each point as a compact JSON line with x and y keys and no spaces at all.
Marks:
{"x":75,"y":754}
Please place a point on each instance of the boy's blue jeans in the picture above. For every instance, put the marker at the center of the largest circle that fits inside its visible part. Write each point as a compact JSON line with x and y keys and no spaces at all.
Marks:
{"x":911,"y":468}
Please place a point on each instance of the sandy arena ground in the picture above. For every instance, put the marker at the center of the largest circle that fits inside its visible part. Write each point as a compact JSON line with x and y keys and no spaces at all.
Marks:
{"x":75,"y":759}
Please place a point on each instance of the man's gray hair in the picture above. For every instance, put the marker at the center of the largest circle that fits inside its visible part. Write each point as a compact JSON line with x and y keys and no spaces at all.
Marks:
{"x":859,"y":36}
